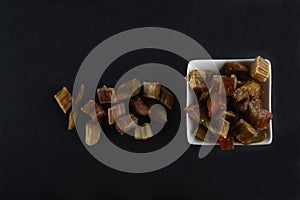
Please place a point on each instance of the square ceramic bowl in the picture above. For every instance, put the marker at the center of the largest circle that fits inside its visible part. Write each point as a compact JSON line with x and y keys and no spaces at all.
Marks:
{"x":217,"y":64}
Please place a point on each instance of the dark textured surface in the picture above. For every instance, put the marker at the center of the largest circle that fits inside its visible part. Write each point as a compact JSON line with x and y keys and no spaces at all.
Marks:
{"x":42,"y":44}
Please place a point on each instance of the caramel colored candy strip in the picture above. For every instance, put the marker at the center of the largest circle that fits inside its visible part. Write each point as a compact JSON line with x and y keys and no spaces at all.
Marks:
{"x":166,"y":98}
{"x":115,"y":112}
{"x":64,"y":99}
{"x":197,"y":80}
{"x":127,"y":90}
{"x":79,"y":96}
{"x":151,"y":90}
{"x":93,"y":132}
{"x":243,"y":131}
{"x":72,"y":118}
{"x":260,"y":69}
{"x":105,"y":94}
{"x":143,"y":132}
{"x":250,"y":89}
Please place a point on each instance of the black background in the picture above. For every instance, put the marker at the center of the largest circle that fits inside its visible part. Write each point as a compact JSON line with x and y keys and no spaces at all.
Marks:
{"x":42,"y":45}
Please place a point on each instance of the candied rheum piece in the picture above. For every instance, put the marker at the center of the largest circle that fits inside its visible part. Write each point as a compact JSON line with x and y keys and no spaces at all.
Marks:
{"x":72,"y":118}
{"x":204,"y":96}
{"x":241,"y":71}
{"x":64,"y":99}
{"x":105,"y":94}
{"x":158,"y":114}
{"x":94,"y":110}
{"x":243,"y":131}
{"x":220,"y":126}
{"x":258,"y":117}
{"x":229,"y":84}
{"x":92,"y":133}
{"x":73,"y":113}
{"x":226,"y":143}
{"x":126,"y":123}
{"x":197,"y":80}
{"x":139,"y":106}
{"x":217,"y":101}
{"x":143,"y":132}
{"x":151,"y":90}
{"x":241,"y":106}
{"x":259,"y":137}
{"x":115,"y":112}
{"x":260,"y":69}
{"x":127,"y":90}
{"x":166,"y":98}
{"x":202,"y":133}
{"x":215,"y":104}
{"x":250,"y":89}
{"x":193,"y":112}
{"x":78,"y":97}
{"x":262,"y":120}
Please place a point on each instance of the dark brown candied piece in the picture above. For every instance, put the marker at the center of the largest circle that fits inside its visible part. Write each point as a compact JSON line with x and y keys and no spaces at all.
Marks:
{"x":243,"y":131}
{"x":226,"y":143}
{"x":115,"y":112}
{"x":143,"y":132}
{"x":241,"y":106}
{"x":229,"y":84}
{"x":151,"y":90}
{"x":197,"y":80}
{"x":126,"y":123}
{"x":260,"y":69}
{"x":259,"y":137}
{"x":203,"y":96}
{"x":250,"y":89}
{"x":139,"y":106}
{"x":64,"y":99}
{"x":105,"y":94}
{"x":166,"y":98}
{"x":241,"y":71}
{"x":94,"y":110}
{"x":258,"y":117}
{"x":127,"y":90}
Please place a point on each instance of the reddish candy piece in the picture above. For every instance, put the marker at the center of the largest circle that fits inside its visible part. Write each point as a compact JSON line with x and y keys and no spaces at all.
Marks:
{"x":94,"y":110}
{"x":226,"y":143}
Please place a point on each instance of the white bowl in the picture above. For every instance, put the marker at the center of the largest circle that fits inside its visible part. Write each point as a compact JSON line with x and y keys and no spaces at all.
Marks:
{"x":217,"y":64}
